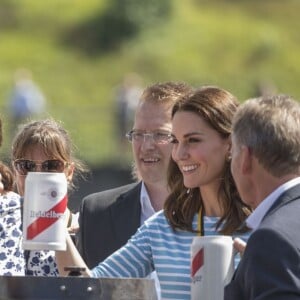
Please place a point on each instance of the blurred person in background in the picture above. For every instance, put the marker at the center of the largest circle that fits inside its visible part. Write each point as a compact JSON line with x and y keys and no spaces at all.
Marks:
{"x":127,"y":96}
{"x":265,"y":166}
{"x":11,"y":253}
{"x":26,"y":100}
{"x":203,"y":199}
{"x":43,"y":146}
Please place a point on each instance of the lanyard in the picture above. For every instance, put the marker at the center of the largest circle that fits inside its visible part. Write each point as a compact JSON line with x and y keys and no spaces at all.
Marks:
{"x":200,"y":226}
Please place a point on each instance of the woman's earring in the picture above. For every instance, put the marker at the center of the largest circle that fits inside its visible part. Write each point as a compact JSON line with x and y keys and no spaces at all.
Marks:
{"x":188,"y":191}
{"x":228,"y":158}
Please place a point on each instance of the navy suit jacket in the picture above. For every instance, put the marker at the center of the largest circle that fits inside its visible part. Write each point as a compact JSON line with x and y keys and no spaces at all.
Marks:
{"x":107,"y":220}
{"x":270,"y":266}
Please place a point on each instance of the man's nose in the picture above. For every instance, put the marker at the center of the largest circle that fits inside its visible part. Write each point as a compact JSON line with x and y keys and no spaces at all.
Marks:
{"x":148,"y":140}
{"x":148,"y":136}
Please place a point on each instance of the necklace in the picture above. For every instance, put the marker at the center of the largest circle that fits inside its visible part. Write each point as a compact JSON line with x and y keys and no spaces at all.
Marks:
{"x":200,"y":226}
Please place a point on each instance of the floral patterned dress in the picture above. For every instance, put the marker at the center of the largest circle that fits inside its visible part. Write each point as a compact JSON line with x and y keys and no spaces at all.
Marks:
{"x":41,"y":263}
{"x":11,"y":253}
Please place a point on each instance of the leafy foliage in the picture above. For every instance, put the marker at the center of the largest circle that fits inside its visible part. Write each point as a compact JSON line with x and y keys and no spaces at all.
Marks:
{"x":239,"y":45}
{"x":120,"y":21}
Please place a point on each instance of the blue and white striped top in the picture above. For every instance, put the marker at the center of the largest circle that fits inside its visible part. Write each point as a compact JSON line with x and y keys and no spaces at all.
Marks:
{"x":155,"y":246}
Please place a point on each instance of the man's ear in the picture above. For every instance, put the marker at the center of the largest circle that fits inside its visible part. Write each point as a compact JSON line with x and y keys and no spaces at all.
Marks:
{"x":229,"y":146}
{"x":70,"y":172}
{"x":246,"y":160}
{"x":229,"y":143}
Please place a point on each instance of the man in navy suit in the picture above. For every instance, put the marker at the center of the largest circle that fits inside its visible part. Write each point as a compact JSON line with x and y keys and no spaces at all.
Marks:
{"x":109,"y":218}
{"x":265,"y":167}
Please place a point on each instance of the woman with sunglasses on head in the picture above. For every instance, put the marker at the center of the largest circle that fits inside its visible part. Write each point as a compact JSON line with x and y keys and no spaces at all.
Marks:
{"x":43,"y":146}
{"x":203,"y":199}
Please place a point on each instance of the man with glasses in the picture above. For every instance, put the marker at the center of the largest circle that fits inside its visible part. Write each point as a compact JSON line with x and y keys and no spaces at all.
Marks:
{"x":109,"y":218}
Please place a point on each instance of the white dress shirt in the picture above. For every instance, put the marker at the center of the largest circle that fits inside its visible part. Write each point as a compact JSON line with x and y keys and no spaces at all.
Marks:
{"x":254,"y":220}
{"x":147,"y":211}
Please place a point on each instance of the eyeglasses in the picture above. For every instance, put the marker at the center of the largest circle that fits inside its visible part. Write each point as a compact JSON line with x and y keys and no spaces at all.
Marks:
{"x":23,"y":166}
{"x":158,"y":137}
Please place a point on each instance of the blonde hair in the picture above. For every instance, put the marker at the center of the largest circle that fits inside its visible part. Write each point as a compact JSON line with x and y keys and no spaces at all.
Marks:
{"x":162,"y":93}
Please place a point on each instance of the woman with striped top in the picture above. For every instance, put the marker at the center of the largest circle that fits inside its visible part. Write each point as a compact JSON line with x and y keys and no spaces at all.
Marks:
{"x":203,"y":199}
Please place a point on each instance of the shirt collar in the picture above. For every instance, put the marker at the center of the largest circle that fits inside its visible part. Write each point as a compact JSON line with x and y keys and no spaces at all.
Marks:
{"x":147,"y":209}
{"x":254,"y":220}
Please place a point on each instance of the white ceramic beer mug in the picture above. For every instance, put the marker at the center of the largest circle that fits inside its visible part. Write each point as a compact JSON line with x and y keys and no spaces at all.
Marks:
{"x":212,"y":266}
{"x":45,"y":203}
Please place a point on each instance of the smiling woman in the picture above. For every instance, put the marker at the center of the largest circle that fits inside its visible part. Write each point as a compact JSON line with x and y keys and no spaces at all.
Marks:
{"x":201,"y":162}
{"x":202,"y":194}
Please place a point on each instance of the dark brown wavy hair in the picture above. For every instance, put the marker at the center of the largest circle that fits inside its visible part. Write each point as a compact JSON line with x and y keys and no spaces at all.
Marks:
{"x":7,"y":177}
{"x":6,"y":172}
{"x":216,"y":107}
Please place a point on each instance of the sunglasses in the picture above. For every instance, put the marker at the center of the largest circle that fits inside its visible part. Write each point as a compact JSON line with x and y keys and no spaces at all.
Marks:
{"x":23,"y":166}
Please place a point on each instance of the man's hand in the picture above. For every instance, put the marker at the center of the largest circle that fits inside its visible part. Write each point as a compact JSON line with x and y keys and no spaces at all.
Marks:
{"x":72,"y":222}
{"x":239,"y":245}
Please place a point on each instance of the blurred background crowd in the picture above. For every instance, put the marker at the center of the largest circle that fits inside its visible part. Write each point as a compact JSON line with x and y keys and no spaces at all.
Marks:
{"x":85,"y":63}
